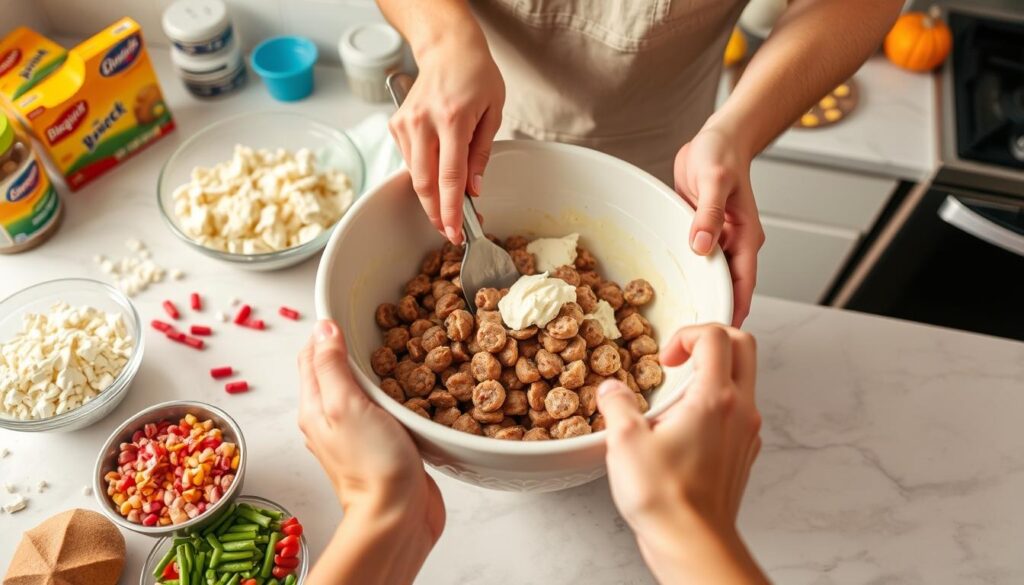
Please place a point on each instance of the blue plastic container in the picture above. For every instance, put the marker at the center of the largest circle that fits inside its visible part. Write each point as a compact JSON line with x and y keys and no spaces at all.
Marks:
{"x":286,"y":66}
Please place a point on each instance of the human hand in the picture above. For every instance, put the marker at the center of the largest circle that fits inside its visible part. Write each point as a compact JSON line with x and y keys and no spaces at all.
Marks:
{"x":712,"y":172}
{"x":447,"y":124}
{"x":370,"y":459}
{"x":680,"y":480}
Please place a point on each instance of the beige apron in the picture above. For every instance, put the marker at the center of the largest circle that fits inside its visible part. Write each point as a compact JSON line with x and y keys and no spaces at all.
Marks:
{"x":633,"y":78}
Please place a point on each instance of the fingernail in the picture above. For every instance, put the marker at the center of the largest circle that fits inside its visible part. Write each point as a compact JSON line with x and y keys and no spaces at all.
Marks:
{"x":606,"y":387}
{"x":449,"y":231}
{"x":477,"y":181}
{"x":702,"y":242}
{"x":324,"y":330}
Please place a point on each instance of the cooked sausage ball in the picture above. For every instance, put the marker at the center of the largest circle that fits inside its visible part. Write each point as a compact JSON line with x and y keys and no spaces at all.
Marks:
{"x":463,"y":368}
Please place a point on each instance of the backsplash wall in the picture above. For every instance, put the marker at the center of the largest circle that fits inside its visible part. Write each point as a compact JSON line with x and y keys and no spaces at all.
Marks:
{"x":254,"y":20}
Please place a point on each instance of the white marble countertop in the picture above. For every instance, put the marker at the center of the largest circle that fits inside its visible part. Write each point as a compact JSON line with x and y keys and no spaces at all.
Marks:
{"x":892,"y":450}
{"x":891,"y":133}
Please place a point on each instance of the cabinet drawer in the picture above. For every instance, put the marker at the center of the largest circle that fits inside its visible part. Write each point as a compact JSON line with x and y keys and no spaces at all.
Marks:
{"x":818,"y":195}
{"x":799,"y":261}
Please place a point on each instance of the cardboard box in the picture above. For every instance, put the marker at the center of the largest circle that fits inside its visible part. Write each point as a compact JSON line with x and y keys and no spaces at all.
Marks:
{"x":101,"y":106}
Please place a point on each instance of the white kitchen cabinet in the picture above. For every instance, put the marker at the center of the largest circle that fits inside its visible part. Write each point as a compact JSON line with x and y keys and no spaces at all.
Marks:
{"x":819,"y":195}
{"x":800,"y":260}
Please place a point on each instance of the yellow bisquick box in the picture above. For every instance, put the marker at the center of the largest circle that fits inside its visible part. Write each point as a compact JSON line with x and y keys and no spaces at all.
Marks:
{"x":25,"y":58}
{"x":102,"y":106}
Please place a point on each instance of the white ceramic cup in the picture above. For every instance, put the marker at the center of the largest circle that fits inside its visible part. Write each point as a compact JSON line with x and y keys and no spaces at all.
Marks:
{"x":635,"y":225}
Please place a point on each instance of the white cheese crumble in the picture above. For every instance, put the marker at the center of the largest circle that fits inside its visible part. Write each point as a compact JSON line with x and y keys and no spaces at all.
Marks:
{"x":550,"y":253}
{"x":18,"y":504}
{"x":86,"y":490}
{"x":60,"y":360}
{"x":10,"y":487}
{"x":4,"y":453}
{"x":41,"y":486}
{"x":222,"y":316}
{"x":261,"y":201}
{"x":134,"y":273}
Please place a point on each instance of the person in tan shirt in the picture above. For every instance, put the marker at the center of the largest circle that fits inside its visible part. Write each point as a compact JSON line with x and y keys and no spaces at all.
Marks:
{"x":636,"y":79}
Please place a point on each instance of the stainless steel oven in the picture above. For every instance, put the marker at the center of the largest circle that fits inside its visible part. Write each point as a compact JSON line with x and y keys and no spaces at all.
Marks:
{"x":951,"y":251}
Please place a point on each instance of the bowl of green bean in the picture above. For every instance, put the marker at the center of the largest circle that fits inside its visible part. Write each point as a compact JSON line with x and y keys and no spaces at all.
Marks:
{"x":252,"y":542}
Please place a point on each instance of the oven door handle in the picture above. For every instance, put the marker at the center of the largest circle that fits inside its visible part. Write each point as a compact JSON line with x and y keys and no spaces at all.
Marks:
{"x":962,"y":216}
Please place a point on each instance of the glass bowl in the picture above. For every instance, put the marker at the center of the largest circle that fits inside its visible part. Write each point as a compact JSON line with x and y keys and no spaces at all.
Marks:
{"x":174,"y":410}
{"x":162,"y":545}
{"x":39,"y":298}
{"x":270,"y":130}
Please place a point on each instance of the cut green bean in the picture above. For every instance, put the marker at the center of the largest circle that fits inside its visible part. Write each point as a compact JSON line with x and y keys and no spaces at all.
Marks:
{"x":273,"y":581}
{"x":222,"y":518}
{"x":236,"y":536}
{"x":183,"y":567}
{"x":197,"y":570}
{"x":234,"y":579}
{"x":216,"y":557}
{"x":244,"y":527}
{"x":254,"y":516}
{"x":239,"y":545}
{"x":235,"y":567}
{"x":213,"y":542}
{"x":290,"y":580}
{"x":268,"y":558}
{"x":158,"y":571}
{"x":224,"y":579}
{"x":236,"y":556}
{"x":275,"y":514}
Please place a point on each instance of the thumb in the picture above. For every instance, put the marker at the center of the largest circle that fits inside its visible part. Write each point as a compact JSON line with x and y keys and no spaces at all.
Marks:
{"x":338,"y":389}
{"x":624,"y":422}
{"x":713,"y":188}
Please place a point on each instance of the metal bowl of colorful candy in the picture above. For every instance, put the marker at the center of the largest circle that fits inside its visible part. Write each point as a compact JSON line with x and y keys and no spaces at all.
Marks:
{"x":253,"y":541}
{"x":171,"y":468}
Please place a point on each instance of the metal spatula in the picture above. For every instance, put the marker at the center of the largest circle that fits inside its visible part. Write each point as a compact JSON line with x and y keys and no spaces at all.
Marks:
{"x":485,"y":264}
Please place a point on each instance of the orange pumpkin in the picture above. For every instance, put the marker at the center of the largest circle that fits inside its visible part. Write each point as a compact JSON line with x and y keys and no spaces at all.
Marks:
{"x":918,"y":41}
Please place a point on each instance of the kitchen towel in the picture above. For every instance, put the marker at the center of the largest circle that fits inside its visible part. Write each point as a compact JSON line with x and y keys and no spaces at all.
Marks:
{"x":380,"y":153}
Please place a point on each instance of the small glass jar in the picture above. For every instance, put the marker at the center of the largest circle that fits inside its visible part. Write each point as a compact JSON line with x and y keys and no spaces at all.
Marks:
{"x":198,"y":27}
{"x":30,"y":208}
{"x":369,"y":53}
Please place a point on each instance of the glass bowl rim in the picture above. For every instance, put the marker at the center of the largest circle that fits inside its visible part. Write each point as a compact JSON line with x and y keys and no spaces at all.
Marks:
{"x":316,"y":243}
{"x":121,"y":381}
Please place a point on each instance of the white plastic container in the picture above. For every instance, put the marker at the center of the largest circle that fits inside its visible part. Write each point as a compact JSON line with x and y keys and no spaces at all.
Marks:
{"x":205,"y":51}
{"x":369,"y":53}
{"x":198,"y":27}
{"x":212,"y":74}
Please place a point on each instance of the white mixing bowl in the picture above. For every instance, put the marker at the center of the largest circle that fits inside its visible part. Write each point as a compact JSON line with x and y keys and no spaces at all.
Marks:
{"x":636,"y":227}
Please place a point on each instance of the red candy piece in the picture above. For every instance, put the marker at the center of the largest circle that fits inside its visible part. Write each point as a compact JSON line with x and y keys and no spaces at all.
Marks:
{"x":161,"y":325}
{"x":289,"y":313}
{"x":193,"y":342}
{"x":195,"y":302}
{"x":221,"y":371}
{"x":200,"y":330}
{"x":243,"y":314}
{"x":171,"y":310}
{"x":236,"y":387}
{"x":254,"y":324}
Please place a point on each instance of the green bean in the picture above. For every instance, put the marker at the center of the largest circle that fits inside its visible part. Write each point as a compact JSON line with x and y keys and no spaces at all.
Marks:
{"x":212,"y":540}
{"x":183,"y":567}
{"x":222,"y":518}
{"x":268,"y":559}
{"x":234,"y":579}
{"x":254,"y":516}
{"x":236,"y":556}
{"x":216,"y":557}
{"x":243,"y":527}
{"x":239,"y":545}
{"x":235,"y":567}
{"x":273,"y":581}
{"x":275,"y":514}
{"x":197,"y":570}
{"x":224,"y":579}
{"x":235,"y":536}
{"x":169,"y":582}
{"x":290,"y":579}
{"x":164,"y":561}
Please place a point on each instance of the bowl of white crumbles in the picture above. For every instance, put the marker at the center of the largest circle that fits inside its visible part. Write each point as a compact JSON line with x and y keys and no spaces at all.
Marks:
{"x":69,"y":349}
{"x":260,"y":191}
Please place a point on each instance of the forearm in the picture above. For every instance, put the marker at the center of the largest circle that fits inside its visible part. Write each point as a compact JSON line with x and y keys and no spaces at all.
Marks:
{"x":370,"y":548}
{"x":427,"y":24}
{"x":690,"y":551}
{"x":815,"y":46}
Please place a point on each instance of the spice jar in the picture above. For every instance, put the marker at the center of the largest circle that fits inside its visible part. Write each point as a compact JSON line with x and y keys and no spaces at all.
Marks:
{"x":369,"y":53}
{"x":30,"y":208}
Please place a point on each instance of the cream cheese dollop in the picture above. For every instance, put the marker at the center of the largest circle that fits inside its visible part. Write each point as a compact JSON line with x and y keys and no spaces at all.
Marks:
{"x":550,"y":253}
{"x":605,"y":315}
{"x":535,"y":300}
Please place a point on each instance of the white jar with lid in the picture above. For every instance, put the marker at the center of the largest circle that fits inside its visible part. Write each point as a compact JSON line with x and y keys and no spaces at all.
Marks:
{"x":198,"y":27}
{"x":205,"y":51}
{"x":213,"y":74}
{"x":369,"y":53}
